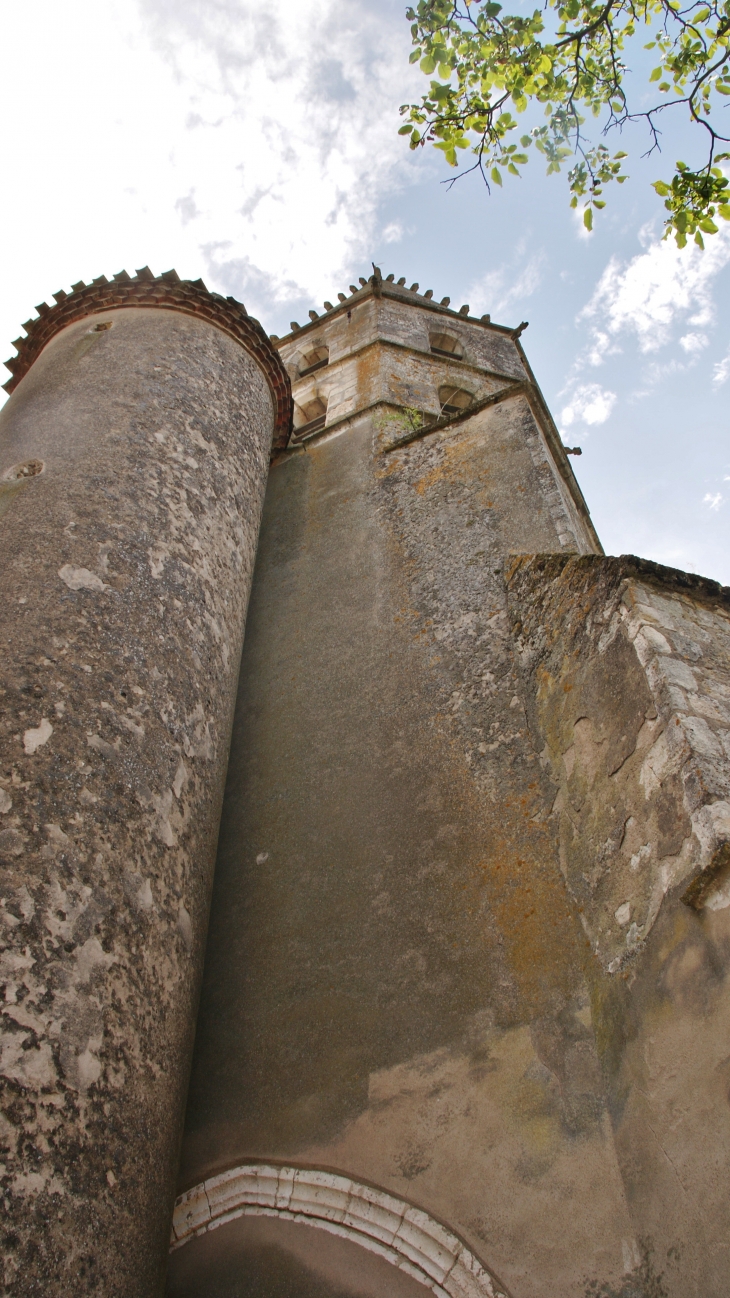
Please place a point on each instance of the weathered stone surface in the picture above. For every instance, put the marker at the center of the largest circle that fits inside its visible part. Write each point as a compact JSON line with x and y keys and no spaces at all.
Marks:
{"x":380,"y":358}
{"x":628,"y":667}
{"x":125,"y":566}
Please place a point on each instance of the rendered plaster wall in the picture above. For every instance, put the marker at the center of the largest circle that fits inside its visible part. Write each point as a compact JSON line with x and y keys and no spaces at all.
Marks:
{"x":125,"y":569}
{"x":397,"y":982}
{"x":627,"y":666}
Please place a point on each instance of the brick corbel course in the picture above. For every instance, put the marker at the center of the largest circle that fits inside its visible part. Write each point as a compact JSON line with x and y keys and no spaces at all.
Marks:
{"x":168,"y":291}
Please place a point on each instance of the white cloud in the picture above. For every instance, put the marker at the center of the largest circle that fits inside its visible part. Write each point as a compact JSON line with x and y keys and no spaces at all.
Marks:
{"x":589,"y":404}
{"x":722,"y":370}
{"x":393,"y":233}
{"x":250,"y":146}
{"x":646,"y":295}
{"x":714,"y":501}
{"x":500,"y":290}
{"x":693,"y":342}
{"x":599,"y":347}
{"x":292,"y":137}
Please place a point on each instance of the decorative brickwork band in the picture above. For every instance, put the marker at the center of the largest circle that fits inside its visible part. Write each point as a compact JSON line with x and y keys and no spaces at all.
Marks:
{"x":167,"y":291}
{"x":405,"y":1236}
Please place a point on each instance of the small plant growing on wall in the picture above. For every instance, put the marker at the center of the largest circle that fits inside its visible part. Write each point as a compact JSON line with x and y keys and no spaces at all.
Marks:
{"x":396,"y":424}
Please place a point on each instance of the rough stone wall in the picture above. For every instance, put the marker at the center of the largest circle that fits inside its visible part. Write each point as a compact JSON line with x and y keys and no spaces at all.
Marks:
{"x":629,"y":666}
{"x":125,"y":567}
{"x":627,"y":671}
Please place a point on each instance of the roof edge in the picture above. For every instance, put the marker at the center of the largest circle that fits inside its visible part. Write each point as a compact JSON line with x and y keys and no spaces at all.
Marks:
{"x":376,"y":286}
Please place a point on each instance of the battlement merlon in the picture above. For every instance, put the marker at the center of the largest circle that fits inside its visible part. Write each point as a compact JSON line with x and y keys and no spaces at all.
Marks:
{"x":387,"y":349}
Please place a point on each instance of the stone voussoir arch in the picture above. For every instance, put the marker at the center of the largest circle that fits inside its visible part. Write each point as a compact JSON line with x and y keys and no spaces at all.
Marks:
{"x":167,"y":291}
{"x":406,"y":1236}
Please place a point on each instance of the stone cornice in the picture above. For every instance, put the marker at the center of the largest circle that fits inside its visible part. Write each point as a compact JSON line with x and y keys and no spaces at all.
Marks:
{"x":168,"y":292}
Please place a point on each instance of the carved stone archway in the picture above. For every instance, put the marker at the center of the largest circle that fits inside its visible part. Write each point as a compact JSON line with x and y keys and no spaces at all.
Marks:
{"x":405,"y":1236}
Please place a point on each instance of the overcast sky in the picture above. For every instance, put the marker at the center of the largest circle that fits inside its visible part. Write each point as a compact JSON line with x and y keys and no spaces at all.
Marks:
{"x":256,"y":146}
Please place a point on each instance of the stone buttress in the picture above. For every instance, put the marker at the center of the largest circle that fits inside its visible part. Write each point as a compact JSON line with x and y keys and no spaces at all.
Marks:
{"x":133,"y":459}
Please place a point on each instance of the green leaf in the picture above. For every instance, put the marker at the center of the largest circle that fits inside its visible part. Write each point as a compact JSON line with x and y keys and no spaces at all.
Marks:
{"x":724,"y":211}
{"x":405,"y":130}
{"x":415,"y":56}
{"x":654,"y":76}
{"x":661,"y":188}
{"x":722,"y":87}
{"x":496,"y":177}
{"x":428,"y":64}
{"x":588,"y":219}
{"x":699,"y":240}
{"x":708,"y":226}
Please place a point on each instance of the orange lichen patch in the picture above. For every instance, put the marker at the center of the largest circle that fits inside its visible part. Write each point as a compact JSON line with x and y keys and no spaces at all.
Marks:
{"x":533,"y":915}
{"x":430,"y":479}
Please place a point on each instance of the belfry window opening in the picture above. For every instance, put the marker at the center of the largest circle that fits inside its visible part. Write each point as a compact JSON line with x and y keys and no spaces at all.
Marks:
{"x":454,"y":401}
{"x":309,"y":416}
{"x":314,"y":359}
{"x":446,"y":345}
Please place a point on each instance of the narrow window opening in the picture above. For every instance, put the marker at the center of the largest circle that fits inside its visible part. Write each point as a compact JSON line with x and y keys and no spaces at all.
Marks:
{"x":446,"y":345}
{"x":314,"y":360}
{"x":309,"y":417}
{"x":454,"y":401}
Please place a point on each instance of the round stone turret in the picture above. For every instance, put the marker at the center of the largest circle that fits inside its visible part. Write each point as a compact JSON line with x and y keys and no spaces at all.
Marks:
{"x":134,"y":454}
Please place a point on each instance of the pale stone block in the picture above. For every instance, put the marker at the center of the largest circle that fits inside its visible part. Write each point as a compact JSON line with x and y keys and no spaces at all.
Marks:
{"x":377,"y":1215}
{"x":468,"y":1279}
{"x":319,"y":1194}
{"x":285,"y":1186}
{"x":192,"y":1212}
{"x":429,"y":1245}
{"x":701,"y":737}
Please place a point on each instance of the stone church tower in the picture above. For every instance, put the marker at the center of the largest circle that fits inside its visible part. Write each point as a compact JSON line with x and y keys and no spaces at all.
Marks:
{"x":460,"y":1024}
